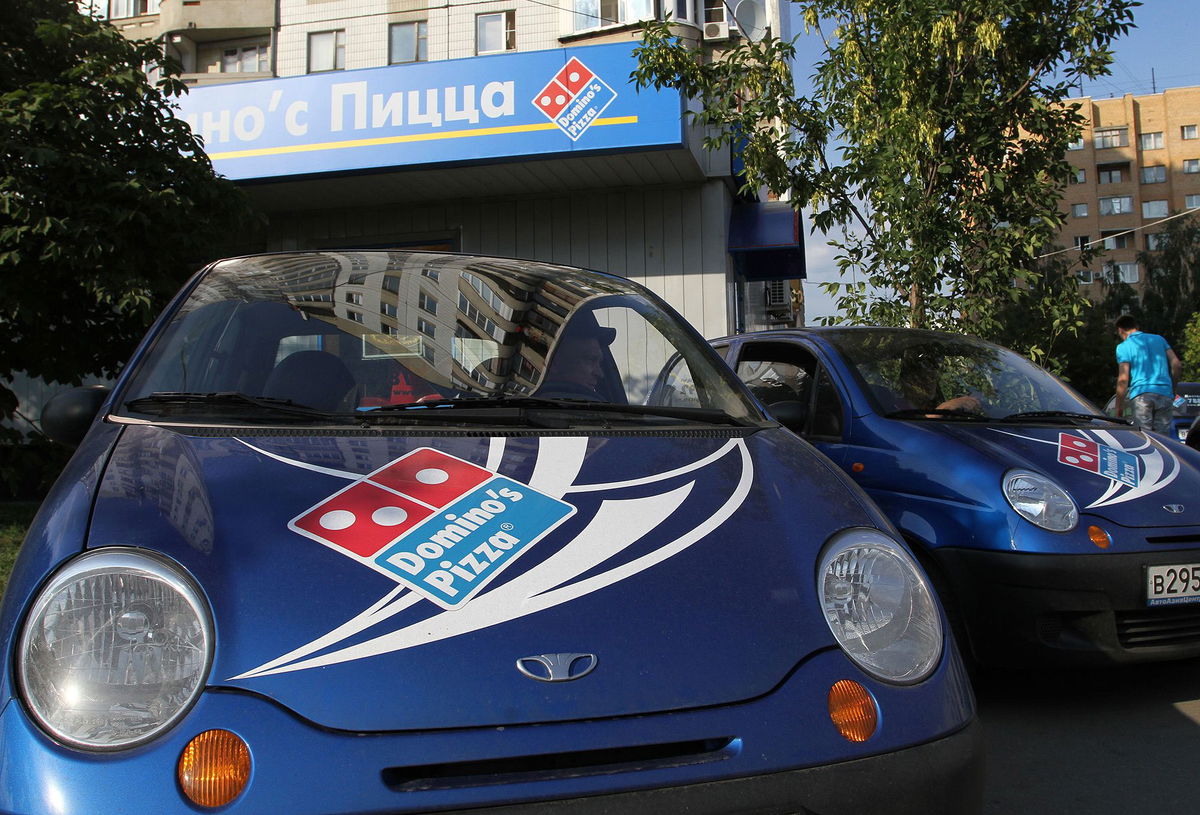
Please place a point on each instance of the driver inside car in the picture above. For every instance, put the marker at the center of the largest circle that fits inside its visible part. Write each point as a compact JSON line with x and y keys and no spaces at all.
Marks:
{"x":579,"y":367}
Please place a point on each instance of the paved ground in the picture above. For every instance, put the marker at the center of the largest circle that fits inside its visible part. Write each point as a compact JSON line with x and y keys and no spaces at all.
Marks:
{"x":1097,"y":742}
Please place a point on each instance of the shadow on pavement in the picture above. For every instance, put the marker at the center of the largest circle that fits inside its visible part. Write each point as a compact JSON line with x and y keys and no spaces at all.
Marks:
{"x":1101,"y":741}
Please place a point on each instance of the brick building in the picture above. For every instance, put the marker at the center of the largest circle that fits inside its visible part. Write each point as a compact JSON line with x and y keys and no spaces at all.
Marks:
{"x":1137,"y":163}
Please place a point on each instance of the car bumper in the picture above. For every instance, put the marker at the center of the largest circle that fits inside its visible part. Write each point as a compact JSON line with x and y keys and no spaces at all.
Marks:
{"x":1073,"y":609}
{"x":945,"y":775}
{"x":781,"y":754}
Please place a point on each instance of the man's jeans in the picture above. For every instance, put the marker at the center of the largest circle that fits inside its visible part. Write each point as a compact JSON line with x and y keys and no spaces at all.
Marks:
{"x":1153,"y":411}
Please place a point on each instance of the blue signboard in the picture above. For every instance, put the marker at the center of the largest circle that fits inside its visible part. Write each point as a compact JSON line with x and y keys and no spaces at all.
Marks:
{"x":536,"y":103}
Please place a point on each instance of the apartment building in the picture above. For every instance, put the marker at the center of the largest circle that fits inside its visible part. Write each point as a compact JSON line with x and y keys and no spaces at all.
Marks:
{"x":505,"y":127}
{"x":1137,"y":163}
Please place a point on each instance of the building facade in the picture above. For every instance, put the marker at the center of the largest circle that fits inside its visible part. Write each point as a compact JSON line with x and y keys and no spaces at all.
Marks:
{"x":1137,"y":163}
{"x":505,"y":127}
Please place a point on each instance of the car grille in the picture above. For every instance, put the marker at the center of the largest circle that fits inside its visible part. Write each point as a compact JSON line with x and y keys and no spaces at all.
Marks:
{"x":558,"y":765}
{"x":1156,"y":627}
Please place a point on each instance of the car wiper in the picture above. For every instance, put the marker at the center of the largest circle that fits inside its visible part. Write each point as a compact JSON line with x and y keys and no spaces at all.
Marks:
{"x":1034,"y":415}
{"x":164,"y":402}
{"x":936,"y":413}
{"x":485,"y":403}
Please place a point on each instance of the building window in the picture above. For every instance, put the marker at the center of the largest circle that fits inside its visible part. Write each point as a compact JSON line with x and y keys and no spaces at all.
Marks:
{"x":247,"y":59}
{"x":326,"y":51}
{"x":495,"y":32}
{"x":432,"y":274}
{"x":1116,"y":240}
{"x":118,"y":9}
{"x":1115,"y":137}
{"x":1188,"y":132}
{"x":1154,"y":209}
{"x":391,"y":283}
{"x":1078,"y":210}
{"x":1156,"y":174}
{"x":1150,"y":141}
{"x":388,"y":310}
{"x":1076,"y":145}
{"x":1111,"y":173}
{"x":427,"y":303}
{"x":1085,"y":276}
{"x":1116,"y":205}
{"x":408,"y":42}
{"x":1191,"y":165}
{"x":1191,"y":201}
{"x":1155,"y":242}
{"x":1081,"y":241}
{"x":1080,"y":177}
{"x":599,"y":13}
{"x":685,"y":10}
{"x":355,"y":316}
{"x":425,"y":327}
{"x":1125,"y":272}
{"x":354,"y":298}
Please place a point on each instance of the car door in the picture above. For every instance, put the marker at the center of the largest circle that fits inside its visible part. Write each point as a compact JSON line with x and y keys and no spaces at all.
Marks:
{"x":791,"y":381}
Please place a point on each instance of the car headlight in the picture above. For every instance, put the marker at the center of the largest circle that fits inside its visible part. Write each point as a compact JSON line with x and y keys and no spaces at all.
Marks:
{"x":879,"y":606}
{"x":1040,"y":501}
{"x":115,"y":650}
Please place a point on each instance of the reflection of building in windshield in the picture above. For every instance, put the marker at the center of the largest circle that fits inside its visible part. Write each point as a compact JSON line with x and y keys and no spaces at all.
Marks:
{"x":457,"y":323}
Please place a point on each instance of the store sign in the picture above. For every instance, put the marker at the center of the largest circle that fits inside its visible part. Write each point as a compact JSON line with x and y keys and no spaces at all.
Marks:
{"x":537,"y":103}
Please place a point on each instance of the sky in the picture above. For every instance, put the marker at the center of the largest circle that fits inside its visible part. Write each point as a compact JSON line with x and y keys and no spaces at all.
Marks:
{"x":1160,"y":52}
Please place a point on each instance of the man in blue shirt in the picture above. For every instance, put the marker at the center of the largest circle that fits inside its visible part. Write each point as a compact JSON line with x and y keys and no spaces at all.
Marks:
{"x":1147,"y":370}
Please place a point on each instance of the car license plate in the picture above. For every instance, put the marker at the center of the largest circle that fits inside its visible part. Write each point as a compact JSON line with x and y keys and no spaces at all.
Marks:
{"x":1167,"y":585}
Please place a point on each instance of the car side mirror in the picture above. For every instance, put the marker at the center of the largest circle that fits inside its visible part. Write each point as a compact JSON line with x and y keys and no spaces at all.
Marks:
{"x":790,"y":413}
{"x":68,"y":415}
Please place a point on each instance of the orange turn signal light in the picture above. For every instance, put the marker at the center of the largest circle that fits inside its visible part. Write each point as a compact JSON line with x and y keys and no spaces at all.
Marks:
{"x":1099,"y":537}
{"x":852,"y":710}
{"x":214,"y":768}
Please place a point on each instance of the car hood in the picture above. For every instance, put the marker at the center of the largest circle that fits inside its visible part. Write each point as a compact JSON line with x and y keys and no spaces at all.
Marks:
{"x":1122,"y":475}
{"x":667,"y":567}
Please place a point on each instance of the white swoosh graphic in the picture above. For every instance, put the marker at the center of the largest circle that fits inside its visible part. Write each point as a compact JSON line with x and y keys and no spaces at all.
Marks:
{"x":1152,"y":480}
{"x":617,"y":525}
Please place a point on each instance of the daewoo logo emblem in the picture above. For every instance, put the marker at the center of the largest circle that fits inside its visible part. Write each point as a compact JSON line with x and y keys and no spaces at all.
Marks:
{"x":1174,"y":509}
{"x":557,"y":667}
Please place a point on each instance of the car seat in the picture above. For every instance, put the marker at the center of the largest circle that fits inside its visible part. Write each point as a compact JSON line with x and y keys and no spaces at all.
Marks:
{"x":315,"y":379}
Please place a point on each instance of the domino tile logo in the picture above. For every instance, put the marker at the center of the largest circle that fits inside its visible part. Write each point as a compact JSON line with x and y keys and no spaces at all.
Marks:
{"x":440,"y":525}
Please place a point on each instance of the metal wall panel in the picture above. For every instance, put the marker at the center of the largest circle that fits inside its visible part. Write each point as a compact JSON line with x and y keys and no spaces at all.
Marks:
{"x":671,"y":240}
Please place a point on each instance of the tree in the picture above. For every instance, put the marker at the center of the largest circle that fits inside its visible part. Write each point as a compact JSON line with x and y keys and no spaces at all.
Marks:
{"x":107,"y":200}
{"x":1172,"y":294}
{"x":952,"y":125}
{"x":1190,"y":355}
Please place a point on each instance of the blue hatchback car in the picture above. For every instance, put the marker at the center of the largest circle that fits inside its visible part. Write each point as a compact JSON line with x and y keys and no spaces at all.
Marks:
{"x":1051,"y":531}
{"x":415,"y":532}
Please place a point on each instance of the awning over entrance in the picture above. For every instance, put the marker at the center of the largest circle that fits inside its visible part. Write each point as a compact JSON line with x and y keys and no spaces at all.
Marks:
{"x":765,"y":241}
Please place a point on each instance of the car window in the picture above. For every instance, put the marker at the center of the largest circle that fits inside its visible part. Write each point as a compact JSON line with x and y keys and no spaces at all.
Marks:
{"x":777,"y":372}
{"x":361,"y":331}
{"x":913,"y":371}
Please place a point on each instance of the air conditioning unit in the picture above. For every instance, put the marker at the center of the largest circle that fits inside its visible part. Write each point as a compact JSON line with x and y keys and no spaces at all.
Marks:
{"x":716,"y":31}
{"x":778,"y":294}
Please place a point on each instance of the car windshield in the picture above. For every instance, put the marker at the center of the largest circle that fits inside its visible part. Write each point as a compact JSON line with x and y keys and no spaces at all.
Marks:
{"x":396,"y":334}
{"x":913,"y":373}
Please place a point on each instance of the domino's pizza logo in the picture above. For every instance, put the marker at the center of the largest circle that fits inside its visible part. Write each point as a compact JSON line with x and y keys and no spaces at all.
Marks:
{"x":440,"y":525}
{"x":574,"y":99}
{"x":1101,"y":459}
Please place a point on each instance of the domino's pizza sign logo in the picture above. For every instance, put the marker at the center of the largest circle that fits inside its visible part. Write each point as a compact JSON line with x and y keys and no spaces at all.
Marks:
{"x":1085,"y":454}
{"x":440,"y":525}
{"x":574,"y":99}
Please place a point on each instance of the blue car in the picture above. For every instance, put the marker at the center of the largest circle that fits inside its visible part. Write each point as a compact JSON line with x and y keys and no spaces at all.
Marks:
{"x":1053,"y":533}
{"x":413,"y":532}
